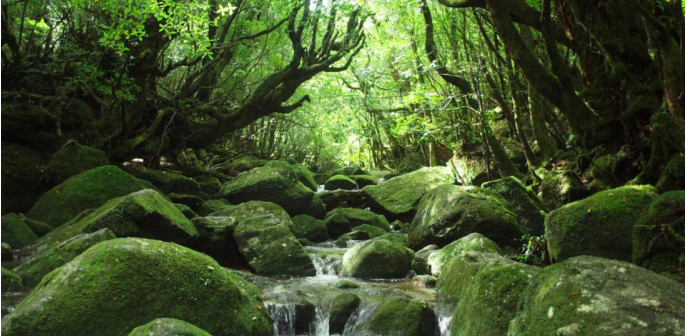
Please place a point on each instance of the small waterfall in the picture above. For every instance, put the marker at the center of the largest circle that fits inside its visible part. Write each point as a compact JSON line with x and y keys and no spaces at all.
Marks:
{"x":320,"y":188}
{"x":325,"y":265}
{"x":359,"y":316}
{"x":320,"y":327}
{"x":283,"y":318}
{"x":444,"y":317}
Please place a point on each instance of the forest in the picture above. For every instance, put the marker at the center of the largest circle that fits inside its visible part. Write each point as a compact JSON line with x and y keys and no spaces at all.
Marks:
{"x":342,"y":167}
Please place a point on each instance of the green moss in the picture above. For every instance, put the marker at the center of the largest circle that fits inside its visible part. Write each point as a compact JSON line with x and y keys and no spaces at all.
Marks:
{"x":450,"y":212}
{"x":400,"y":238}
{"x":121,"y":284}
{"x":340,"y":182}
{"x":305,"y":176}
{"x":73,"y":159}
{"x":473,"y":242}
{"x":88,"y":190}
{"x":316,"y":208}
{"x":600,"y":225}
{"x":15,"y":232}
{"x":168,"y":327}
{"x":341,"y":309}
{"x":337,"y":225}
{"x":353,"y":235}
{"x":365,"y":180}
{"x":361,"y":216}
{"x":310,"y":228}
{"x":211,"y":206}
{"x":166,"y":181}
{"x":215,"y":238}
{"x":345,"y":284}
{"x":245,"y":163}
{"x":251,"y":209}
{"x":11,"y":282}
{"x":372,"y":231}
{"x":33,"y":270}
{"x":561,"y":186}
{"x":673,"y":175}
{"x":401,"y":317}
{"x":377,"y":259}
{"x":39,"y":228}
{"x":523,"y":202}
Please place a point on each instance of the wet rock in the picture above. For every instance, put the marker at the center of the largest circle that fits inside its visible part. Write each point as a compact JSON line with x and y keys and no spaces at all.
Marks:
{"x":310,"y":228}
{"x":11,"y":282}
{"x":125,"y":283}
{"x":600,"y":225}
{"x":15,"y":232}
{"x":341,"y":309}
{"x":424,"y":281}
{"x":523,"y":202}
{"x":379,"y":259}
{"x":88,"y":190}
{"x":398,"y":197}
{"x":594,"y":296}
{"x":403,"y":318}
{"x":450,"y":212}
{"x":473,"y":242}
{"x":340,"y":182}
{"x":168,"y":327}
{"x":73,"y":159}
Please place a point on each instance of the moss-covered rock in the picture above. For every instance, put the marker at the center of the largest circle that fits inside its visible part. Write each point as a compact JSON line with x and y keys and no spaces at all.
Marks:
{"x":673,"y":175}
{"x":11,"y":282}
{"x":485,"y":290}
{"x":420,"y":263}
{"x":15,"y":232}
{"x":341,"y":309}
{"x":340,"y":182}
{"x":316,"y":208}
{"x":372,"y":231}
{"x":449,"y":212}
{"x":345,"y":284}
{"x":166,"y":181}
{"x":270,"y":248}
{"x":310,"y":228}
{"x":401,"y":317}
{"x":561,"y":186}
{"x":305,"y":176}
{"x":594,"y":296}
{"x":424,"y":281}
{"x":348,"y":171}
{"x":88,"y":190}
{"x":365,"y":180}
{"x":38,"y":227}
{"x":600,"y":225}
{"x":473,"y":242}
{"x":659,"y":235}
{"x":353,"y":235}
{"x":168,"y":327}
{"x":337,"y":225}
{"x":275,"y":182}
{"x":216,"y":239}
{"x":34,"y":269}
{"x":211,"y":206}
{"x":360,"y":216}
{"x":342,"y":198}
{"x":470,"y":169}
{"x":398,"y":197}
{"x":21,"y":175}
{"x":400,"y":238}
{"x":120,"y":284}
{"x":251,"y":209}
{"x":192,"y":201}
{"x":246,"y":163}
{"x":524,"y":203}
{"x":188,"y":212}
{"x":71,"y":160}
{"x":379,"y":259}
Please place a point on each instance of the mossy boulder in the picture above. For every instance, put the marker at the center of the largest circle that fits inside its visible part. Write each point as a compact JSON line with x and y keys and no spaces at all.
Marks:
{"x":588,"y":295}
{"x":275,"y":182}
{"x":15,"y":232}
{"x":188,"y":212}
{"x":11,"y":282}
{"x":673,"y":175}
{"x":560,"y":186}
{"x":337,"y":225}
{"x":400,"y":238}
{"x":342,"y":198}
{"x":305,"y":176}
{"x":166,"y":181}
{"x":365,"y":180}
{"x":251,"y":209}
{"x":397,"y":198}
{"x":73,"y":159}
{"x":600,"y":225}
{"x":216,"y":239}
{"x":340,"y":182}
{"x":523,"y":202}
{"x":471,"y":169}
{"x":38,"y":227}
{"x":22,"y":174}
{"x":659,"y":233}
{"x":341,"y":309}
{"x":270,"y":248}
{"x":346,"y":284}
{"x":316,"y":208}
{"x":246,"y":163}
{"x":168,"y":327}
{"x":88,"y":190}
{"x":353,"y":235}
{"x":120,"y":284}
{"x":310,"y":228}
{"x":424,"y":281}
{"x":348,"y":171}
{"x":378,"y":259}
{"x":34,"y":269}
{"x":191,"y":201}
{"x":449,"y":212}
{"x":485,"y":290}
{"x":402,"y":317}
{"x":473,"y":242}
{"x":211,"y":206}
{"x":361,"y":216}
{"x":420,"y":263}
{"x":372,"y":231}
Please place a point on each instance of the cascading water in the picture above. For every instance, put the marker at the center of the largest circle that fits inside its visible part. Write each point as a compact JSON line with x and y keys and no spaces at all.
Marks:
{"x":283,"y":318}
{"x":359,"y":316}
{"x":444,"y":317}
{"x":325,"y":265}
{"x":320,"y":326}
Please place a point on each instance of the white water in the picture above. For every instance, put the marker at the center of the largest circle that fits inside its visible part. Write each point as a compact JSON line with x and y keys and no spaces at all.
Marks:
{"x":360,"y":315}
{"x":443,"y":321}
{"x":283,"y":318}
{"x":325,"y":265}
{"x":320,"y":188}
{"x":320,"y":327}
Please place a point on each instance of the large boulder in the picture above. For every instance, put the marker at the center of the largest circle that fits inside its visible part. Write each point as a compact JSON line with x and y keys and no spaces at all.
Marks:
{"x":377,"y":259}
{"x":361,"y":216}
{"x":11,"y":282}
{"x":484,"y":290}
{"x":168,"y":327}
{"x":15,"y":232}
{"x":600,"y":225}
{"x":251,"y":209}
{"x":561,"y":186}
{"x":310,"y":228}
{"x":337,"y":225}
{"x":398,"y":197}
{"x":473,"y":242}
{"x":341,"y":309}
{"x":245,"y":163}
{"x":270,"y":248}
{"x":88,"y":190}
{"x":38,"y":227}
{"x":340,"y":182}
{"x":523,"y":202}
{"x":211,"y":206}
{"x":659,"y":234}
{"x":166,"y":181}
{"x":449,"y":212}
{"x":22,"y":172}
{"x":316,"y":208}
{"x":123,"y":283}
{"x":275,"y":182}
{"x":372,"y":231}
{"x":216,"y":239}
{"x":400,"y":238}
{"x":305,"y":176}
{"x":342,"y":198}
{"x":402,"y":317}
{"x":34,"y":269}
{"x":73,"y":159}
{"x":594,"y":296}
{"x":365,"y":180}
